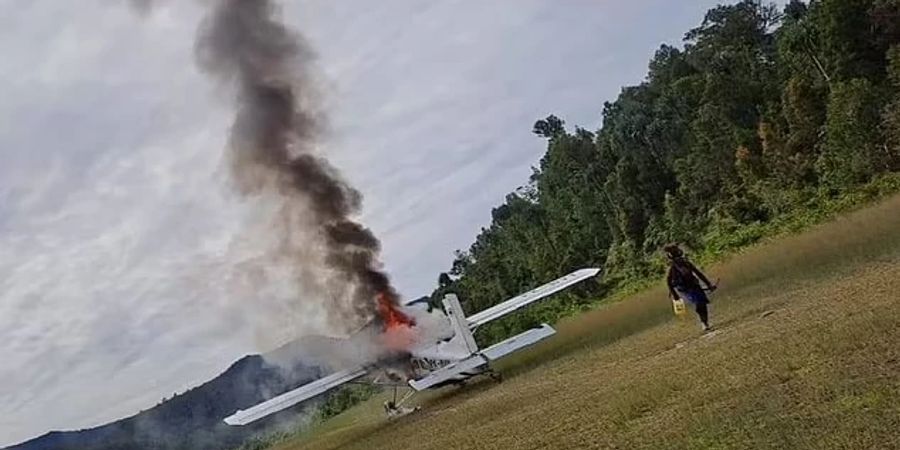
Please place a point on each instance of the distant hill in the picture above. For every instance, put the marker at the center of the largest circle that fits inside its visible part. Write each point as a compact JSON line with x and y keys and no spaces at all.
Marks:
{"x":193,"y":420}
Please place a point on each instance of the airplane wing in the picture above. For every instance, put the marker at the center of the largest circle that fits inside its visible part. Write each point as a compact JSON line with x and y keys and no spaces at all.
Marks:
{"x":291,"y":398}
{"x":502,"y":309}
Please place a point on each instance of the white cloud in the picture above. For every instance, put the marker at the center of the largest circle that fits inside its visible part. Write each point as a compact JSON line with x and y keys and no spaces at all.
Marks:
{"x":126,"y":270}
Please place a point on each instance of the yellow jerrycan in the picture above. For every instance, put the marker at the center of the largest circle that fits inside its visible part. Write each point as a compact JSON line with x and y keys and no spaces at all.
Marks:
{"x":678,"y":307}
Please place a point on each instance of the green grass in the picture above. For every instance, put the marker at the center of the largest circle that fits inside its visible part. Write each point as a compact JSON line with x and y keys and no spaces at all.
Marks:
{"x":806,"y":356}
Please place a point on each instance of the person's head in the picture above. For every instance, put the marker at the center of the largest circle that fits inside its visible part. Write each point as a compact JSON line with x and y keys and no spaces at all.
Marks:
{"x":673,"y":251}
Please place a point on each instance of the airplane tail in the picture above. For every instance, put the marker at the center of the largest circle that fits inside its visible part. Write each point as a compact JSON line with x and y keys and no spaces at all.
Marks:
{"x":462,"y":337}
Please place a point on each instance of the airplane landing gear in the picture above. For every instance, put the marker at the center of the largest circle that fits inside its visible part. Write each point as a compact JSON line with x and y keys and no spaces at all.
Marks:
{"x":394,"y":408}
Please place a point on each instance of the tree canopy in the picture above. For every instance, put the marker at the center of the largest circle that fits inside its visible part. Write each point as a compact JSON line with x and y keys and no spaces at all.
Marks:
{"x":761,"y":112}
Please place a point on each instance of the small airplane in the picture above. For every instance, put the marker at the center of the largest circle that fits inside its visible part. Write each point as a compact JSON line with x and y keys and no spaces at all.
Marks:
{"x":451,"y":358}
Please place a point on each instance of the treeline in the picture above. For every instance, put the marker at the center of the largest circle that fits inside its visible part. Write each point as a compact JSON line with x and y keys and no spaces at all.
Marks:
{"x":764,"y":120}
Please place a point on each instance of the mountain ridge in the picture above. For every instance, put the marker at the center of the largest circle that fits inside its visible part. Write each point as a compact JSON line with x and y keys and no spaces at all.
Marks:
{"x":193,"y":419}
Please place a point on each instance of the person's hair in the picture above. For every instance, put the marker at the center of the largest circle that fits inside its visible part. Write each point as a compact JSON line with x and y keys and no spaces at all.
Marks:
{"x":673,"y":251}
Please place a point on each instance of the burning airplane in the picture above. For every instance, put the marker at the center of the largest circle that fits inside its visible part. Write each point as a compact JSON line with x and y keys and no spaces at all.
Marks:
{"x":276,"y":158}
{"x":408,"y":361}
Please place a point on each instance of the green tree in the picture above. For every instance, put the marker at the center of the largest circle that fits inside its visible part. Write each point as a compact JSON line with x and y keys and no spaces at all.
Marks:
{"x":803,"y":107}
{"x":549,"y":127}
{"x":850,"y":153}
{"x":890,"y":117}
{"x":848,"y":39}
{"x":799,"y":46}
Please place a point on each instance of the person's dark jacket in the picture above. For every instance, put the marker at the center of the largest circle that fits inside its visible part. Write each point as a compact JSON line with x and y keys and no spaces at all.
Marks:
{"x":683,"y":276}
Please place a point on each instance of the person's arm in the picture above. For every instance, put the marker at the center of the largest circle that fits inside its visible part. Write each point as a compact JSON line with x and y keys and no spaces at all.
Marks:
{"x":672,"y":293}
{"x":700,"y":275}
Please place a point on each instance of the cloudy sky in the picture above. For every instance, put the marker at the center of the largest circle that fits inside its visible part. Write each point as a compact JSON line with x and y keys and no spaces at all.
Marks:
{"x":123,"y":251}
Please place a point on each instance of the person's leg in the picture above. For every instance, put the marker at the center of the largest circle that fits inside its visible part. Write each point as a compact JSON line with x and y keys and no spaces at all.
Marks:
{"x":703,"y":312}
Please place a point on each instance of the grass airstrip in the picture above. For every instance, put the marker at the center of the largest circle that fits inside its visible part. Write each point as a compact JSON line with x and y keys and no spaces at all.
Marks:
{"x":805,"y":355}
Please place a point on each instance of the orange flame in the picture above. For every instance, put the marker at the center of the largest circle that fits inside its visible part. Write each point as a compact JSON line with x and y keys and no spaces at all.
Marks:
{"x":398,"y":327}
{"x":390,"y":315}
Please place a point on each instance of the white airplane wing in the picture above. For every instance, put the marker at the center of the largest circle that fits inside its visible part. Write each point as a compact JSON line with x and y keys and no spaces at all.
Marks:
{"x":498,"y":311}
{"x":291,"y":398}
{"x":474,"y":364}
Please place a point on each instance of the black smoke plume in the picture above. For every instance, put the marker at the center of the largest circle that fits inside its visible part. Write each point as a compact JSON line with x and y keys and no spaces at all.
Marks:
{"x":274,"y":153}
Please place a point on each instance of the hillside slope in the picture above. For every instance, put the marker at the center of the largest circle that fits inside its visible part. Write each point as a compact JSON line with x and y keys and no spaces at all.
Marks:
{"x":805,"y":356}
{"x":193,"y":420}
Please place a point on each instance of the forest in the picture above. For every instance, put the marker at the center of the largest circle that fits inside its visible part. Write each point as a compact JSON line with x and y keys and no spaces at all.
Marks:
{"x":764,"y":121}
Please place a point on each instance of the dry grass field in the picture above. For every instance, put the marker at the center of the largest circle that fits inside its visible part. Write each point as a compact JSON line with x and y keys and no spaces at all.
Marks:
{"x":806,"y":355}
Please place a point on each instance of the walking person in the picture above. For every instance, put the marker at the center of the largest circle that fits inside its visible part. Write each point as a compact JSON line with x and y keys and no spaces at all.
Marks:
{"x":683,"y":283}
